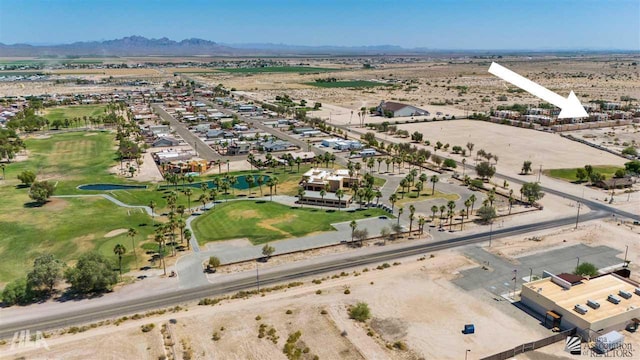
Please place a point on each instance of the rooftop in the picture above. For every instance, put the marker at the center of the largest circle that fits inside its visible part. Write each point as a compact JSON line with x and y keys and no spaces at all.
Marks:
{"x":595,"y":289}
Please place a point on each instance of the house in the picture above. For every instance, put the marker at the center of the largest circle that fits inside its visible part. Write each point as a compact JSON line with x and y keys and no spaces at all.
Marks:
{"x":330,"y":180}
{"x":159,"y":129}
{"x":219,"y":134}
{"x":617,"y":183}
{"x":239,"y":148}
{"x":276,"y":145}
{"x":238,"y":127}
{"x":302,"y":130}
{"x":399,"y":109}
{"x":246,"y":108}
{"x":344,"y":145}
{"x":165,"y":141}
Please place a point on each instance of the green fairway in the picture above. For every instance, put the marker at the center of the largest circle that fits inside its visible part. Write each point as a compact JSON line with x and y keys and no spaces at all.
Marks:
{"x":278,"y":69}
{"x":75,"y":111}
{"x":262,"y":222}
{"x":570,"y":174}
{"x":347,"y":84}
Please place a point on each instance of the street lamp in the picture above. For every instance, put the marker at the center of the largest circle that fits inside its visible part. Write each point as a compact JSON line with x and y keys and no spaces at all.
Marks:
{"x":257,"y":276}
{"x":490,"y":232}
{"x":578,"y":263}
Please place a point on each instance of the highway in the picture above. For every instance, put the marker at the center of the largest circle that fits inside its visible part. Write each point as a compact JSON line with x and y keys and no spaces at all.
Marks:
{"x":87,"y":315}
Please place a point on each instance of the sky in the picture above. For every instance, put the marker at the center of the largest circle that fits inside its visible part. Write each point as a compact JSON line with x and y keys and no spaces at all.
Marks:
{"x":444,"y":24}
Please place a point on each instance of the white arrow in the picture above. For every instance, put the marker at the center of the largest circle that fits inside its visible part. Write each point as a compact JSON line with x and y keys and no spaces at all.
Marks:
{"x":570,"y":107}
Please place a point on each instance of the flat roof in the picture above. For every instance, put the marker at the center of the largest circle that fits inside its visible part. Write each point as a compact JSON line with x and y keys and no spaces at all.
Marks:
{"x":596,"y":289}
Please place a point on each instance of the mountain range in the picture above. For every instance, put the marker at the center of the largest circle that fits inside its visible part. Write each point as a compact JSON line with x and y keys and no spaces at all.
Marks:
{"x":142,"y":46}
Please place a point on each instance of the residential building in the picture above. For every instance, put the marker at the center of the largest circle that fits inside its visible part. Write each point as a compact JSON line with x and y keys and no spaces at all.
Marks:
{"x":239,"y":148}
{"x":399,"y":109}
{"x":165,"y":141}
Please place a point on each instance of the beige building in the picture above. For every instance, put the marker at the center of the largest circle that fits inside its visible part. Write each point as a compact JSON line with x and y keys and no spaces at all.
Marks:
{"x":328,"y":179}
{"x":594,"y":306}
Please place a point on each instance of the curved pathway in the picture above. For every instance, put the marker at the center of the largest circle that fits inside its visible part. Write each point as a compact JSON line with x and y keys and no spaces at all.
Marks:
{"x":112,"y":199}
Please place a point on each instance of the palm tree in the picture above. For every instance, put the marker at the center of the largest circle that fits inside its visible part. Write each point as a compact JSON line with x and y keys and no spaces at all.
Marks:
{"x":181,"y":225}
{"x":473,"y":199}
{"x":250,"y":181}
{"x":403,"y":184}
{"x":421,"y":222}
{"x":392,"y":199}
{"x":434,"y":210}
{"x":467,"y":204}
{"x":462,"y":214}
{"x":322,"y":194}
{"x":232,"y":182}
{"x":203,"y":199}
{"x":119,"y":250}
{"x":412,"y":211}
{"x":442,"y":209}
{"x":434,"y":179}
{"x":213,"y":194}
{"x":152,"y":206}
{"x":301,"y":193}
{"x":270,"y":184}
{"x":339,"y":195}
{"x":132,"y":233}
{"x":450,"y":214}
{"x":159,"y":238}
{"x":275,"y":185}
{"x":188,"y":192}
{"x":378,"y":195}
{"x":419,"y":186}
{"x":353,"y":225}
{"x":387,"y":161}
{"x":400,"y":211}
{"x":187,"y":235}
{"x":260,"y":181}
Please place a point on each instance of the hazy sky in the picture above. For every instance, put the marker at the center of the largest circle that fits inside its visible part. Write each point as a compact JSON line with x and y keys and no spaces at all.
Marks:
{"x":445,"y":24}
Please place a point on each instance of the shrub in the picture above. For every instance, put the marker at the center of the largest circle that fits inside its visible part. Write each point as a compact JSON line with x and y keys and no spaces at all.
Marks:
{"x":215,"y":336}
{"x":147,"y":327}
{"x":347,"y":291}
{"x":360,"y":312}
{"x":318,"y":292}
{"x":586,"y":269}
{"x":289,"y":312}
{"x":323,"y":312}
{"x":258,"y":318}
{"x":400,"y":345}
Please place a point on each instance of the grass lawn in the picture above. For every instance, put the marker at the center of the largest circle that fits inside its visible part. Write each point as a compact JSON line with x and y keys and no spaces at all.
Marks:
{"x":570,"y":174}
{"x":65,"y":227}
{"x":412,"y":196}
{"x":278,"y":69}
{"x":347,"y":84}
{"x":262,"y":222}
{"x":70,"y":112}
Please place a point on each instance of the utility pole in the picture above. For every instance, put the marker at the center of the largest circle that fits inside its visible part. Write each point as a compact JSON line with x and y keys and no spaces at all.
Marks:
{"x":257,"y":277}
{"x":530,"y":274}
{"x":490,"y":232}
{"x":578,"y":263}
{"x":539,"y":172}
{"x":625,"y":254}
{"x":578,"y":216}
{"x":515,"y":282}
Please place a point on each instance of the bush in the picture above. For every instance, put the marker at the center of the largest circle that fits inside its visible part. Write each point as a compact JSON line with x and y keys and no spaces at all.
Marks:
{"x":27,"y":177}
{"x":258,"y":318}
{"x":323,"y":312}
{"x":400,"y":345}
{"x":147,"y":327}
{"x":586,"y":269}
{"x":318,"y":292}
{"x":347,"y":291}
{"x":360,"y":312}
{"x":289,"y":312}
{"x":40,"y":191}
{"x":215,"y":336}
{"x":214,"y":262}
{"x":17,"y":292}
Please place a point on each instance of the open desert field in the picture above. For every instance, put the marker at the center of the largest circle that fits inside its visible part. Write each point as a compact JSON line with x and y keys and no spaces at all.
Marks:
{"x":514,"y":145}
{"x":231,"y":330}
{"x":465,"y":85}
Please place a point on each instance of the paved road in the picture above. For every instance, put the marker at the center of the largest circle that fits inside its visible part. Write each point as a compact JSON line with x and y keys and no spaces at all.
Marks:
{"x":204,"y":151}
{"x":87,"y":314}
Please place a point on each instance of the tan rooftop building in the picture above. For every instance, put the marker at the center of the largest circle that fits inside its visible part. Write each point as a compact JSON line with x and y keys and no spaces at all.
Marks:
{"x":329,"y":180}
{"x":596,"y":305}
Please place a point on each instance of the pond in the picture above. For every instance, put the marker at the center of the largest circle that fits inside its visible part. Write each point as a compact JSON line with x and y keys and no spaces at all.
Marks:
{"x":241,"y":183}
{"x":108,"y":187}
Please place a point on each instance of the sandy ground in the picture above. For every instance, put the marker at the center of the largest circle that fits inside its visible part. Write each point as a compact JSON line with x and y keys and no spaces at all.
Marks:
{"x":615,"y":138}
{"x":393,"y":295}
{"x":115,"y":232}
{"x":514,"y":145}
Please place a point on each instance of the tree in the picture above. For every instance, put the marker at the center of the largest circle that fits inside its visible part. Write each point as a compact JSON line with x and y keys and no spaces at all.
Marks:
{"x":417,"y":137}
{"x":93,"y":273}
{"x":188,"y":192}
{"x":434,"y":210}
{"x":46,"y":272}
{"x":532,"y":191}
{"x":589,"y":170}
{"x":485,"y":170}
{"x":619,"y":173}
{"x":473,"y":200}
{"x":40,"y":191}
{"x":526,"y":167}
{"x":633,"y":167}
{"x":586,"y":269}
{"x":630,"y":150}
{"x":360,"y":312}
{"x":393,"y":198}
{"x":187,"y":235}
{"x":434,"y":179}
{"x":119,"y":250}
{"x":400,"y":211}
{"x":353,"y":225}
{"x":436,"y":159}
{"x":268,"y":250}
{"x":470,"y":146}
{"x":339,"y":195}
{"x":581,"y":174}
{"x":132,"y":234}
{"x":152,"y":206}
{"x":301,"y":193}
{"x":361,"y":235}
{"x":384,"y":234}
{"x":27,"y":177}
{"x":449,"y":164}
{"x":323,"y":193}
{"x":486,"y":213}
{"x":17,"y":292}
{"x":214,"y":263}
